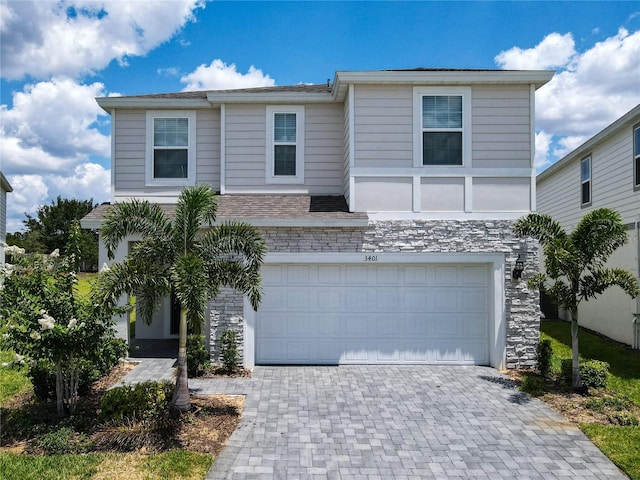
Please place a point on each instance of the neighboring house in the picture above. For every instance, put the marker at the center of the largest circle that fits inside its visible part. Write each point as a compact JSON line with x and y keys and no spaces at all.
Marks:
{"x":386,"y":199}
{"x":603,"y":172}
{"x":5,"y":188}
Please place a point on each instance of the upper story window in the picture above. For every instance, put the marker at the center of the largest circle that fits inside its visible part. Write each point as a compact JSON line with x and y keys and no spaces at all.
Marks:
{"x":442,"y":126}
{"x":636,"y":156}
{"x":285,"y":144}
{"x":171,"y":148}
{"x":585,"y":180}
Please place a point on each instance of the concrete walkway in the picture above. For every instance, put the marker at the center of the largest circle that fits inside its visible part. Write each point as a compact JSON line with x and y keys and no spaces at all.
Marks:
{"x":392,"y":422}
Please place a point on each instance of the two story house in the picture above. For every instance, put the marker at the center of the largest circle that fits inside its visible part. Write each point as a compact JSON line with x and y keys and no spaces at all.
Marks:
{"x":603,"y":172}
{"x":386,"y":199}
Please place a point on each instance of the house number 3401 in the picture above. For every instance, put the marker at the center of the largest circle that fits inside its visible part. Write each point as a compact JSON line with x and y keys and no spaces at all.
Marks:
{"x":370,"y":258}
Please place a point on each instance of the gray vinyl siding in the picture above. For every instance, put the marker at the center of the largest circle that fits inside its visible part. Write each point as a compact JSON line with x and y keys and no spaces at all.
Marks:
{"x":501,"y":134}
{"x":246,"y":150}
{"x":501,"y":126}
{"x":383,"y":126}
{"x":130,"y":151}
{"x":611,"y":183}
{"x":3,"y":223}
{"x":345,"y":150}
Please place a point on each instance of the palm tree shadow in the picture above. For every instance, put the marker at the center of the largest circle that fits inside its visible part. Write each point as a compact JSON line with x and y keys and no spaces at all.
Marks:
{"x":518,"y":398}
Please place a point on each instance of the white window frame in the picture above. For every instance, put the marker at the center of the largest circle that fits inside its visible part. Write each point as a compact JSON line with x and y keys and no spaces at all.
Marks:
{"x":589,"y":181}
{"x":191,"y":148}
{"x":636,"y":158}
{"x":271,"y":111}
{"x":418,"y":93}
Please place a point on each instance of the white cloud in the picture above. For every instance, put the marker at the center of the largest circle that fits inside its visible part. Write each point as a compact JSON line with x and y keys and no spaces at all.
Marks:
{"x":590,"y":90}
{"x":85,"y":181}
{"x":51,"y":127}
{"x":554,"y":50}
{"x":29,"y":192}
{"x":43,"y":38}
{"x":219,"y":76}
{"x":543,"y":144}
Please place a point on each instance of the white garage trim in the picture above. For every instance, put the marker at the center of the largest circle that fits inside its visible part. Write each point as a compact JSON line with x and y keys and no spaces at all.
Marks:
{"x":495,"y":263}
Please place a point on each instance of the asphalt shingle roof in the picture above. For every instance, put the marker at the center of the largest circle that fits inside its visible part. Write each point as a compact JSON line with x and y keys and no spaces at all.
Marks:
{"x":302,"y":207}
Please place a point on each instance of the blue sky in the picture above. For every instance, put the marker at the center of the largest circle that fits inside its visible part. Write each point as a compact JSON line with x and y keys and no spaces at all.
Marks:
{"x":56,"y":56}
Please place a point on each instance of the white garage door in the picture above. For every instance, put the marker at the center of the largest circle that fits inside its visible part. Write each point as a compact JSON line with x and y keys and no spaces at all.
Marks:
{"x":348,"y":314}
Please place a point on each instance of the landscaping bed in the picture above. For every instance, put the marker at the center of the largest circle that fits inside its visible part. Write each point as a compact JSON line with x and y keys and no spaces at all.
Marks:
{"x":32,"y":432}
{"x":609,"y":416}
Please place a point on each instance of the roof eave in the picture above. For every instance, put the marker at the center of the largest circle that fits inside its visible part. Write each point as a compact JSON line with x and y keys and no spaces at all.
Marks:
{"x":6,"y":186}
{"x":447,"y":77}
{"x":218,"y":98}
{"x":111,"y":103}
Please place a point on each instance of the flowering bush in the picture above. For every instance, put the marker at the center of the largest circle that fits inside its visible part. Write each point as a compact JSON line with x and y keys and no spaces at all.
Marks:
{"x":45,"y":324}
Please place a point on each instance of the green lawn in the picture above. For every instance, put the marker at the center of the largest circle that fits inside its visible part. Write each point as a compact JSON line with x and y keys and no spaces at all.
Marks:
{"x":83,"y":288}
{"x":625,"y":364}
{"x":176,"y":464}
{"x":620,"y":444}
{"x":12,"y":381}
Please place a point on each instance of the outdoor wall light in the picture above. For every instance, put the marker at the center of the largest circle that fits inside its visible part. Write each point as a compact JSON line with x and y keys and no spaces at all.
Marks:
{"x":519,"y":268}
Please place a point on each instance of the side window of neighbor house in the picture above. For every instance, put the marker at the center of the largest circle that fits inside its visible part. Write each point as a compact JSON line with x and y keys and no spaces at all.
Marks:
{"x":585,"y":180}
{"x":636,"y":156}
{"x":170,"y":148}
{"x":285,"y":144}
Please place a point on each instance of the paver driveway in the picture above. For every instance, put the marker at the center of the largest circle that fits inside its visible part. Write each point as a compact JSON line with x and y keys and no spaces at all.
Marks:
{"x":397,"y":422}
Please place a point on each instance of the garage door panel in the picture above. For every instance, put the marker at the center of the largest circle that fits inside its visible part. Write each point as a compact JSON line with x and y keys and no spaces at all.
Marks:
{"x":445,"y":299}
{"x":472,"y":300}
{"x":329,"y":300}
{"x":300,"y":299}
{"x":446,"y":276}
{"x":332,"y":314}
{"x":388,"y":299}
{"x":329,"y":274}
{"x":356,"y":275}
{"x":387,"y":275}
{"x":476,"y":275}
{"x":473,"y":325}
{"x":298,"y":274}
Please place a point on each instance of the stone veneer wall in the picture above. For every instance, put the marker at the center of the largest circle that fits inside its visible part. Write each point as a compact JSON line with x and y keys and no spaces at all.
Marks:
{"x":522,"y":310}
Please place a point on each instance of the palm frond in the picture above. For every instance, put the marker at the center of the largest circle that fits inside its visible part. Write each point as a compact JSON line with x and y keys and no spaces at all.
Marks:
{"x":135,"y":217}
{"x":196,"y":208}
{"x":235,"y":238}
{"x":191,"y":288}
{"x":599,"y":280}
{"x":598,"y":235}
{"x":542,"y":227}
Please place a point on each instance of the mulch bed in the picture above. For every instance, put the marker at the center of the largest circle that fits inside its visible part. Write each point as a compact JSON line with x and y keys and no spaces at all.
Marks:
{"x":205,"y":429}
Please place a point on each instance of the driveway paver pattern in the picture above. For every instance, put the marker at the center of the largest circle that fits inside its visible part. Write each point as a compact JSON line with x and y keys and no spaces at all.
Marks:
{"x":397,"y":422}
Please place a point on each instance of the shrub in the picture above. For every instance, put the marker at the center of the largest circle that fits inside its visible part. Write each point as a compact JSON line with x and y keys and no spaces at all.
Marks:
{"x":624,"y":419}
{"x":533,"y":385}
{"x":197,"y":356}
{"x":109,"y":353}
{"x":229,"y":350}
{"x":43,"y":378}
{"x":63,"y":440}
{"x":593,"y":373}
{"x":129,"y":434}
{"x":142,"y":401}
{"x":543,"y":356}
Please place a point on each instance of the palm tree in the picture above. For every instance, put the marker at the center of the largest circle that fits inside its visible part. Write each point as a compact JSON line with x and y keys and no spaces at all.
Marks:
{"x":575,"y":263}
{"x":186,"y":255}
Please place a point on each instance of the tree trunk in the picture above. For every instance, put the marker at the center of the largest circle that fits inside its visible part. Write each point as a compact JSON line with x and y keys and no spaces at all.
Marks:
{"x":181,"y":401}
{"x":576,"y":381}
{"x":59,"y":389}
